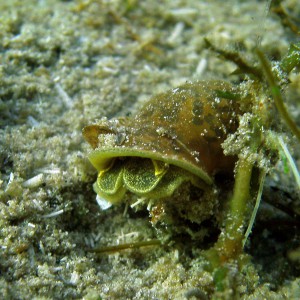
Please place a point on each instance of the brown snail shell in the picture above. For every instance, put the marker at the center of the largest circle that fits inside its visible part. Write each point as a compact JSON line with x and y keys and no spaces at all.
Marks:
{"x":182,"y":128}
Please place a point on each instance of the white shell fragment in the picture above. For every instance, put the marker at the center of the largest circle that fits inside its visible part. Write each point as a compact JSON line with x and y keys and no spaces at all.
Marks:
{"x":104,"y":205}
{"x":34,"y":181}
{"x":54,"y":214}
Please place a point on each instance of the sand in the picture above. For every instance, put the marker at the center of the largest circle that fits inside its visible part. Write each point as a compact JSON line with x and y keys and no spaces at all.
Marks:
{"x":65,"y":64}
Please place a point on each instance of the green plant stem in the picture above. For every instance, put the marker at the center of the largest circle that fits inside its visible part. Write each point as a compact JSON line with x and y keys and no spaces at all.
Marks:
{"x":237,"y":59}
{"x":126,"y":246}
{"x":231,"y":241}
{"x":275,"y":90}
{"x":255,"y":209}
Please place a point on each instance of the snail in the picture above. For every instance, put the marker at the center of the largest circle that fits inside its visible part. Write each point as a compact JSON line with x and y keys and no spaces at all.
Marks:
{"x":178,"y":137}
{"x":175,"y":138}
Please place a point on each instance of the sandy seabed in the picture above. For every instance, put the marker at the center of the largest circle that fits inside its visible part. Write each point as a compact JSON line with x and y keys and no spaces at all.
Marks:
{"x":65,"y":64}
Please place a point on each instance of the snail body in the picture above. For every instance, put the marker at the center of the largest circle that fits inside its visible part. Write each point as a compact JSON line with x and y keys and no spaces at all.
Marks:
{"x":176,"y":137}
